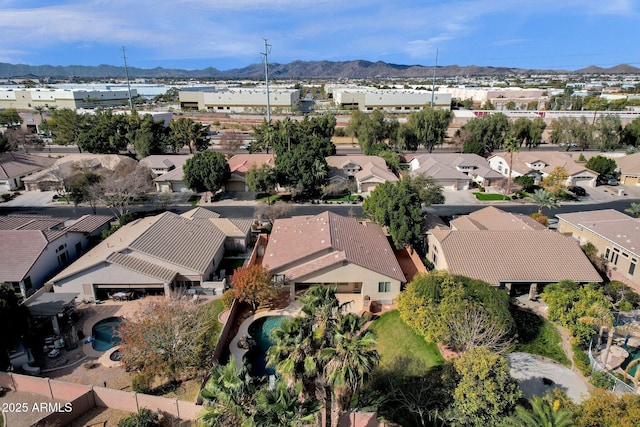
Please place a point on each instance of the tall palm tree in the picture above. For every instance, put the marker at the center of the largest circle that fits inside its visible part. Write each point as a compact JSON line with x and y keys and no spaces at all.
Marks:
{"x":544,"y":199}
{"x":186,"y":131}
{"x":349,"y":361}
{"x":599,"y":316}
{"x":511,"y":145}
{"x":542,"y":414}
{"x":634,"y":209}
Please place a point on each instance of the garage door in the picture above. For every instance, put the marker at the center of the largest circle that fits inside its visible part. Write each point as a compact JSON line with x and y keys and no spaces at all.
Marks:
{"x":630,"y":180}
{"x":234,"y":186}
{"x":368,"y":187}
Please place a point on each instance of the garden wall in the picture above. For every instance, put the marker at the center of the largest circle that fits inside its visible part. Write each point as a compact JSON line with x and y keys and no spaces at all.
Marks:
{"x":85,"y":397}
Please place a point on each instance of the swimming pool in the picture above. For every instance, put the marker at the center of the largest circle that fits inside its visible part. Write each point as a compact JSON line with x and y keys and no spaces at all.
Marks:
{"x":104,"y":334}
{"x":634,"y":353}
{"x":260,"y":331}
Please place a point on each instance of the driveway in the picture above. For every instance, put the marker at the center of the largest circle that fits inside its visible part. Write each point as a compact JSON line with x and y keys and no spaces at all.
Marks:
{"x":30,"y":198}
{"x":529,"y":370}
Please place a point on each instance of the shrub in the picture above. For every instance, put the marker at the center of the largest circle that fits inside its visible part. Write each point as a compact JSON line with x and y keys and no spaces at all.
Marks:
{"x":141,"y":383}
{"x":144,"y":418}
{"x":542,"y":219}
{"x":581,"y":158}
{"x":601,"y":379}
{"x":581,"y":359}
{"x":227,"y":299}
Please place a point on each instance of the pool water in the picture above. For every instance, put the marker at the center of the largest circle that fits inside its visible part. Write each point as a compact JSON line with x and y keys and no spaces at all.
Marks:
{"x":634,"y":353}
{"x":260,"y":331}
{"x":105,"y":334}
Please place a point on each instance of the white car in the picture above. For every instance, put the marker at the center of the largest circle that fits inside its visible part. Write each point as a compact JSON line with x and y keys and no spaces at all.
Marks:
{"x":54,"y":353}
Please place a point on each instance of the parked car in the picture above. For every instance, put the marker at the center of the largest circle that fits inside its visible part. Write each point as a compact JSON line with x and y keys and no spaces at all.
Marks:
{"x":607,"y":180}
{"x":54,"y":353}
{"x":577,"y":190}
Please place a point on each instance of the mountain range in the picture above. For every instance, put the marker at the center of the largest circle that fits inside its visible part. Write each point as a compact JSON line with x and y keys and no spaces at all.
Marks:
{"x":357,"y":69}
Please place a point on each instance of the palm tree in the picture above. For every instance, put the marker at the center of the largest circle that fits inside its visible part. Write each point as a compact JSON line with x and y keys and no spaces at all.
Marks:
{"x":634,"y":209}
{"x":599,"y":316}
{"x":280,"y":406}
{"x":542,"y":414}
{"x":350,"y":360}
{"x":544,"y":199}
{"x":229,"y":397}
{"x":186,"y":131}
{"x":511,"y":145}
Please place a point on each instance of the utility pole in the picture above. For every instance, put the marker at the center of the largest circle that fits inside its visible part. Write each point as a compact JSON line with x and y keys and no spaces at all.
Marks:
{"x":267,"y":51}
{"x":433,"y":83}
{"x":126,"y":72}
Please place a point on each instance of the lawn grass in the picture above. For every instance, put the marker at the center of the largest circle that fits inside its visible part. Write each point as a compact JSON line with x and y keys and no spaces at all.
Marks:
{"x":194,"y":200}
{"x":346,"y":198}
{"x":537,"y":335}
{"x":397,"y":341}
{"x":490,"y":196}
{"x":264,"y":198}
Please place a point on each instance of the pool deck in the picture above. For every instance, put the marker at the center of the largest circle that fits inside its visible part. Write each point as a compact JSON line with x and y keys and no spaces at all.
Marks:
{"x":238,"y":353}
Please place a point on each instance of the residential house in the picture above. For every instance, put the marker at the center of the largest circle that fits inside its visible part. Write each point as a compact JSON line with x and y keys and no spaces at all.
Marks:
{"x":539,"y":164}
{"x":629,"y":168}
{"x":53,"y":177}
{"x":156,"y":254}
{"x":164,"y":163}
{"x":14,"y":167}
{"x":240,"y":164}
{"x":507,"y":250}
{"x":35,"y":247}
{"x":330,"y":249}
{"x":365,"y":172}
{"x":615,"y":235}
{"x":455,"y":171}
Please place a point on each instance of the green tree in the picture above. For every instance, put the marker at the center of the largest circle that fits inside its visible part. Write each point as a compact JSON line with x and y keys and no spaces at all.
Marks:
{"x":484,"y":134}
{"x":634,"y":210}
{"x":555,"y":182}
{"x":631,"y":133}
{"x":544,"y":199}
{"x":605,"y":408}
{"x":186,"y":131}
{"x":608,"y":130}
{"x":102,"y":132}
{"x":5,"y":145}
{"x":510,"y":145}
{"x":206,"y":171}
{"x":151,"y":137}
{"x":279,"y":406}
{"x":9,"y":118}
{"x":64,"y":126}
{"x":486,"y":392}
{"x":262,"y":179}
{"x":82,"y":188}
{"x":602,"y":165}
{"x":398,"y":207}
{"x":430,"y":126}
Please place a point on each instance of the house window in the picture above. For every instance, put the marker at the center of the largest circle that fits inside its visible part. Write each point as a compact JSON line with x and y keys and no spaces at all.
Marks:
{"x":27,"y":283}
{"x":632,"y":268}
{"x":607,"y":253}
{"x":384,"y":286}
{"x":615,"y":255}
{"x":62,"y":258}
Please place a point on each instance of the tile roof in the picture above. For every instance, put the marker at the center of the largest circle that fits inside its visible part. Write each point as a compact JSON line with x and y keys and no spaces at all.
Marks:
{"x":52,"y":227}
{"x":523,"y":159}
{"x":187,"y":243}
{"x":17,"y":164}
{"x":173,"y":175}
{"x":307,"y":239}
{"x":629,"y":164}
{"x":29,"y":222}
{"x":456,"y":160}
{"x":439,"y":171}
{"x":515,"y":256}
{"x":143,"y":267}
{"x":162,"y":161}
{"x":612,"y":225}
{"x":241,"y":163}
{"x":200,"y":213}
{"x":370,"y":166}
{"x":19,"y":250}
{"x":491,"y":218}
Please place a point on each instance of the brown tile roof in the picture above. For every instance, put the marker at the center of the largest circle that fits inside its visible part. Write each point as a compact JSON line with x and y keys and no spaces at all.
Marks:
{"x":173,"y":175}
{"x":200,"y":213}
{"x":629,"y":164}
{"x":444,"y":165}
{"x":515,"y":256}
{"x":29,"y":222}
{"x":241,"y":163}
{"x":19,"y":250}
{"x":143,"y":267}
{"x":17,"y":164}
{"x":162,"y":161}
{"x":522,"y":160}
{"x":491,"y":218}
{"x":302,"y":239}
{"x":612,"y":225}
{"x":178,"y":240}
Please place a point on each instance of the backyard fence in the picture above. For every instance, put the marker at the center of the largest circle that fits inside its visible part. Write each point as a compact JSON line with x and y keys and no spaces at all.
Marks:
{"x":618,"y":386}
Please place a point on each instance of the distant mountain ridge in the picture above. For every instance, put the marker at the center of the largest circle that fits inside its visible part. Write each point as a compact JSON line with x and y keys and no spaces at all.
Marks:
{"x":358,"y":69}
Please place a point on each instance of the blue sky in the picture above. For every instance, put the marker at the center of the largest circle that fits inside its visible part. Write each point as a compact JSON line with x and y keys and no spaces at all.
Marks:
{"x":225,"y":34}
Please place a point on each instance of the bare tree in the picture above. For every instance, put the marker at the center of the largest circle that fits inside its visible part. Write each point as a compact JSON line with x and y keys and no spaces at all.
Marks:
{"x":120,"y":187}
{"x":473,"y":327}
{"x":20,"y":137}
{"x":231,"y":141}
{"x":270,"y":213}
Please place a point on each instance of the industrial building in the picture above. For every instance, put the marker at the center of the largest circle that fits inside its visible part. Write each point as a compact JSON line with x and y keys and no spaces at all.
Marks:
{"x":389,"y":100}
{"x":239,"y":100}
{"x":30,"y":98}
